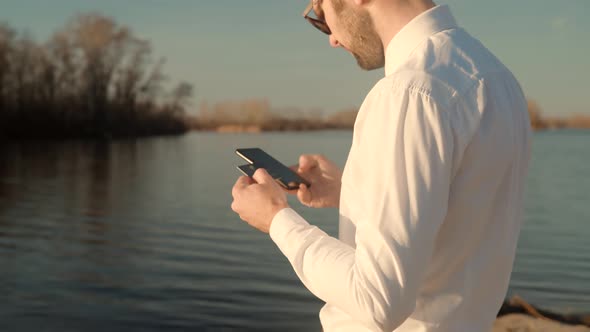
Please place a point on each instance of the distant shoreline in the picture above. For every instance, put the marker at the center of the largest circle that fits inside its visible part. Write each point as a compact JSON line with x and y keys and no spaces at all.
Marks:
{"x":257,"y":129}
{"x":257,"y":115}
{"x":254,"y":129}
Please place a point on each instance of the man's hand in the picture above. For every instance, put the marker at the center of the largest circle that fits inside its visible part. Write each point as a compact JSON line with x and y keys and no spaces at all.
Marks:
{"x":258,"y":201}
{"x":325,"y":179}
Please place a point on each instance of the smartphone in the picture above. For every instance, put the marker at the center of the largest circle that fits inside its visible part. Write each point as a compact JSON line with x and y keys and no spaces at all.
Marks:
{"x":281,"y":173}
{"x":247,"y":170}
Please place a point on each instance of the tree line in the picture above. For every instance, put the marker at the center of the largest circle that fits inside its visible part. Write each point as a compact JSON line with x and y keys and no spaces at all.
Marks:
{"x":258,"y":115}
{"x":93,"y":78}
{"x":541,"y":122}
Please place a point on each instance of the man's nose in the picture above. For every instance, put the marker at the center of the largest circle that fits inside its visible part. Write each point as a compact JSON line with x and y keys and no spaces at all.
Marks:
{"x":333,"y":41}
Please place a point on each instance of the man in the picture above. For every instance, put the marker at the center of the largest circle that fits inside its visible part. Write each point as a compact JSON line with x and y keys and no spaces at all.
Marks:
{"x":431,"y":196}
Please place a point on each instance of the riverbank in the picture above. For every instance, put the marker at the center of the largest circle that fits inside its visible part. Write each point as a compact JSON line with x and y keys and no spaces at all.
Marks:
{"x":295,"y":126}
{"x":524,"y":323}
{"x":255,"y":116}
{"x":518,"y":315}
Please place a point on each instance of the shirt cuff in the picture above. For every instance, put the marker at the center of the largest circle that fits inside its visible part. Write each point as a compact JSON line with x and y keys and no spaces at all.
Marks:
{"x":284,"y":223}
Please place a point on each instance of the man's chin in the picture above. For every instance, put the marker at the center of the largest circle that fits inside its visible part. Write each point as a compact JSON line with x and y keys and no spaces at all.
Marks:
{"x":366,"y":65}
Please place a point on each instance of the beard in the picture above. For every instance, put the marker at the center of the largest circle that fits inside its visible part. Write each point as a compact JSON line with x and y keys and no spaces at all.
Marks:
{"x":363,"y":40}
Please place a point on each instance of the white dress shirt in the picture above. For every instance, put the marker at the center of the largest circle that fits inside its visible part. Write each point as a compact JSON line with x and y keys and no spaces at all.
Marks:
{"x":432,"y":192}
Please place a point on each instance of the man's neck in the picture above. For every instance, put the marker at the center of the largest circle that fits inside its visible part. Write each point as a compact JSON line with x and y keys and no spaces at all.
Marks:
{"x":391,"y":16}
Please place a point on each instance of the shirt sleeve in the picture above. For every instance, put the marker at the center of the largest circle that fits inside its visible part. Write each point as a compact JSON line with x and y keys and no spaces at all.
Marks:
{"x":402,"y":191}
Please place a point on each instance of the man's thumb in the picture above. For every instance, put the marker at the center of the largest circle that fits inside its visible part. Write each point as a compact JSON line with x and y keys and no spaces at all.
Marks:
{"x":262,"y":176}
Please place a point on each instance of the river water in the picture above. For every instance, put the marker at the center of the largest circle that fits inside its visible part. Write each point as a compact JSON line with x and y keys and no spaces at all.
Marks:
{"x":138,"y":235}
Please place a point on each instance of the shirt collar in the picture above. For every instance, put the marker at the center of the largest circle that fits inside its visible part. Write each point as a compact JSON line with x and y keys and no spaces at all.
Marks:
{"x":420,"y":28}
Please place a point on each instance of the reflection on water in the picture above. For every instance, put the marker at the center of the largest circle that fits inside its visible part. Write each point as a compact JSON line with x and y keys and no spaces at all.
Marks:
{"x":123,"y":236}
{"x":62,"y":250}
{"x":139,"y":235}
{"x":51,"y":179}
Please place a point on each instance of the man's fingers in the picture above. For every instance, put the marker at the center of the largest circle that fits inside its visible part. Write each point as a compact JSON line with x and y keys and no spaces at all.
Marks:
{"x":241,"y":183}
{"x":304,"y":195}
{"x":290,"y":191}
{"x":262,"y":176}
{"x":245,"y":181}
{"x":234,"y":206}
{"x":307,"y":162}
{"x":294,"y":168}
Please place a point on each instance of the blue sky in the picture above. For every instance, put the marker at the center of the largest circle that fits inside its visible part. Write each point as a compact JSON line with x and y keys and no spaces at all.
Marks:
{"x":242,"y":49}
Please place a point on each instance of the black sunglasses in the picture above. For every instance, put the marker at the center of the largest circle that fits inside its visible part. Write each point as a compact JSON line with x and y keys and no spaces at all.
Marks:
{"x":317,"y":23}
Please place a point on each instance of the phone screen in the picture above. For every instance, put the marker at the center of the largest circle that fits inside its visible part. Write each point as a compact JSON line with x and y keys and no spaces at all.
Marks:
{"x":281,"y":173}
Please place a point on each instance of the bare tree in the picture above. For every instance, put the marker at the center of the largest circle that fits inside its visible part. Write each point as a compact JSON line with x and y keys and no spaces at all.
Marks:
{"x":181,"y":96}
{"x":22,"y":72}
{"x":92,"y":78}
{"x":535,"y":115}
{"x":6,"y":40}
{"x":102,"y":45}
{"x":62,"y":53}
{"x":129,"y":77}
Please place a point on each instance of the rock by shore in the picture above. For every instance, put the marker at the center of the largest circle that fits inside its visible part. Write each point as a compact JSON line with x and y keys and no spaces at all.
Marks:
{"x":517,"y":315}
{"x":525,"y":323}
